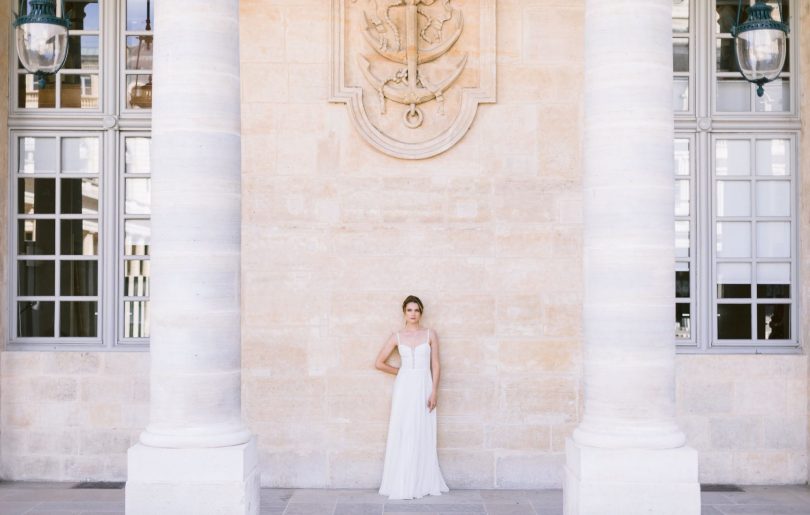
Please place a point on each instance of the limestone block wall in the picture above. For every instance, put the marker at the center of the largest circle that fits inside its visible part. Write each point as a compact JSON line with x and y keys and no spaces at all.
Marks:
{"x":746,"y":415}
{"x":71,"y":416}
{"x":336,"y":234}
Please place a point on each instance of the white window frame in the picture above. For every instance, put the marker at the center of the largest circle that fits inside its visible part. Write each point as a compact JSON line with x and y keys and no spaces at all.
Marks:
{"x":703,"y":126}
{"x":112,"y":123}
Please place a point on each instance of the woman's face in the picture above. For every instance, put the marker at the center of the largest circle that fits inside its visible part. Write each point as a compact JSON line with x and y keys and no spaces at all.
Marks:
{"x":412,"y":313}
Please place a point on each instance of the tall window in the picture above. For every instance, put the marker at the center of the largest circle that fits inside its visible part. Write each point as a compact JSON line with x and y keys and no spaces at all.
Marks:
{"x":735,"y":188}
{"x":80,"y":186}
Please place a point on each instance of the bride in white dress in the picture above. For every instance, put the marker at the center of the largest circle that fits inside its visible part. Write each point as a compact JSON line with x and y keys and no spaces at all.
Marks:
{"x":411,"y":467}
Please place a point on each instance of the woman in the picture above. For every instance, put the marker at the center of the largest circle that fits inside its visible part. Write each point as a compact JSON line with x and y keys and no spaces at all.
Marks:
{"x":411,"y":467}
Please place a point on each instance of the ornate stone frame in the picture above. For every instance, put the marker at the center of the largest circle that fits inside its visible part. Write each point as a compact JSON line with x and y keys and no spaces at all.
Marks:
{"x":471,"y":97}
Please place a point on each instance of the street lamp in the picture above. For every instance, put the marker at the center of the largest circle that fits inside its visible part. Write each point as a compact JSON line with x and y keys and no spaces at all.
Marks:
{"x":42,"y":37}
{"x":761,"y":43}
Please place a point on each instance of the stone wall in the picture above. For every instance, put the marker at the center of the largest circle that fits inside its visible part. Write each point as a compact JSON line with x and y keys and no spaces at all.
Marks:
{"x":746,"y":415}
{"x":336,"y":234}
{"x":71,"y":416}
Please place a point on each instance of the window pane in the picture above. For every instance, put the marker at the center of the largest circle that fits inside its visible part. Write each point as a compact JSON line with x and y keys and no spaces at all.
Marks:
{"x":776,"y":98}
{"x":726,"y":15}
{"x":37,"y":155}
{"x":137,"y":17}
{"x":79,"y":237}
{"x":136,"y":240}
{"x":35,"y":278}
{"x":35,"y":318}
{"x":773,"y":198}
{"x":683,"y":322}
{"x":682,"y":164}
{"x":680,"y":94}
{"x":36,"y":196}
{"x":680,"y":15}
{"x":773,"y":239}
{"x":138,"y":195}
{"x":682,"y":280}
{"x":733,"y":198}
{"x":681,"y":198}
{"x":773,"y":280}
{"x":80,"y":196}
{"x":136,"y":278}
{"x":733,"y":239}
{"x":682,"y":239}
{"x":137,"y":155}
{"x":82,"y":53}
{"x":733,"y":321}
{"x":80,"y":91}
{"x":732,"y":157}
{"x":80,"y":155}
{"x":78,"y":278}
{"x":680,"y":55}
{"x":733,"y":281}
{"x":87,"y":18}
{"x":773,"y":321}
{"x":139,"y":52}
{"x":139,"y":91}
{"x":31,"y":96}
{"x":78,"y":319}
{"x":36,"y":237}
{"x":733,"y":95}
{"x":726,"y":55}
{"x":136,"y":319}
{"x":773,"y":157}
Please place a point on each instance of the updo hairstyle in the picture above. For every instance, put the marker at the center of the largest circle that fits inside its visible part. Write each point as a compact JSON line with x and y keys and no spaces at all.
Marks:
{"x":415,"y":300}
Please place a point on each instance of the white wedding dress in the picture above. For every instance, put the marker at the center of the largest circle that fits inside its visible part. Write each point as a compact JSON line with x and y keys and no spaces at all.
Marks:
{"x":411,"y":467}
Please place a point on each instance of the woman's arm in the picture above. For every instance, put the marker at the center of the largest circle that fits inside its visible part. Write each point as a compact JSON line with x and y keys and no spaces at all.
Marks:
{"x":386,"y":351}
{"x":435,"y":368}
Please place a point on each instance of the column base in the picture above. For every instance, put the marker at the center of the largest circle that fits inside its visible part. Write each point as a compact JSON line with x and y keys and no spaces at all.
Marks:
{"x":628,"y":481}
{"x":220,"y":480}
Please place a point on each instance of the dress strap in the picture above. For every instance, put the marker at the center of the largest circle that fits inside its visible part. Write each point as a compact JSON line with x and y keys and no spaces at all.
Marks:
{"x":398,"y":343}
{"x":427,"y":340}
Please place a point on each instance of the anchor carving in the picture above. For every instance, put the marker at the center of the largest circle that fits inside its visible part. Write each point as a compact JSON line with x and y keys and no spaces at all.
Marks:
{"x":410,"y":85}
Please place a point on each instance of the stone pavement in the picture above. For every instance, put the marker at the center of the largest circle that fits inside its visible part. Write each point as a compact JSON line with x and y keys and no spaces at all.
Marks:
{"x":17,"y":498}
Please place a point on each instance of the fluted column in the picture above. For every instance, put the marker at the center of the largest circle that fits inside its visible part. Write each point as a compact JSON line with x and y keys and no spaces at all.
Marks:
{"x":629,"y":377}
{"x":195,"y":432}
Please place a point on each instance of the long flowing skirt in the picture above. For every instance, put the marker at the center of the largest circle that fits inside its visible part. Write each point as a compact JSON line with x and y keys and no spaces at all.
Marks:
{"x":411,"y":467}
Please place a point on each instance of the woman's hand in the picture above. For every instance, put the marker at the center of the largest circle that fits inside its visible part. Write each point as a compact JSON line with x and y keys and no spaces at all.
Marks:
{"x":432,"y":401}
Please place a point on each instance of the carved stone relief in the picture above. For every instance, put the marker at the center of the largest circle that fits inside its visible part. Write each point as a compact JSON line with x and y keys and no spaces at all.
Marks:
{"x":412,"y":72}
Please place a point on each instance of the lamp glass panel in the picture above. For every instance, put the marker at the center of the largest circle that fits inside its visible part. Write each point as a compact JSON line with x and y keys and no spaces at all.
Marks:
{"x":41,"y":47}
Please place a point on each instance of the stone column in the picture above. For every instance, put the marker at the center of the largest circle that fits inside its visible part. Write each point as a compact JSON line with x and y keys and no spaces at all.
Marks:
{"x":627,"y":455}
{"x":195,"y":456}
